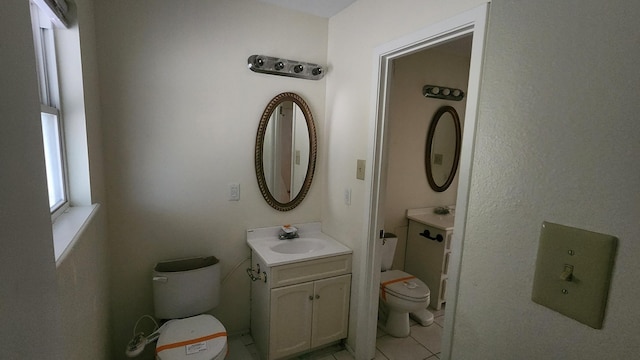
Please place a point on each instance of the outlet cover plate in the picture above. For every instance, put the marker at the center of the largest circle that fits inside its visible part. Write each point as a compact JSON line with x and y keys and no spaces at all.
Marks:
{"x":590,"y":255}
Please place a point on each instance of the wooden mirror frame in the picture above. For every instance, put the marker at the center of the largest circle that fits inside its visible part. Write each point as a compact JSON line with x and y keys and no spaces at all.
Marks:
{"x":427,"y":158}
{"x":313,"y":148}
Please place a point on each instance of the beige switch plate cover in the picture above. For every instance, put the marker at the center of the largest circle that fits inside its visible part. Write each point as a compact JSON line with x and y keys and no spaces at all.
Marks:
{"x":591,"y":254}
{"x":360,"y":169}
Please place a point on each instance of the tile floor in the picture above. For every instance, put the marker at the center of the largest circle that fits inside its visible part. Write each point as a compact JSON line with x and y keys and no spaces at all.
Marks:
{"x":422,"y":344}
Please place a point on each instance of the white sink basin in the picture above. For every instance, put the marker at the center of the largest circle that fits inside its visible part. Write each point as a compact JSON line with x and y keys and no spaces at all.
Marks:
{"x":298,"y":246}
{"x":312,"y":244}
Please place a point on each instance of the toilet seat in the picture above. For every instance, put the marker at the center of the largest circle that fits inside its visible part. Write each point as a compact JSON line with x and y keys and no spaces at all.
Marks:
{"x":403,"y":285}
{"x":201,"y":337}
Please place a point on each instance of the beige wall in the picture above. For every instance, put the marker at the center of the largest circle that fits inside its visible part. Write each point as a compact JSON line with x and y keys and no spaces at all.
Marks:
{"x":180,"y":113}
{"x":353,"y":36}
{"x":84,"y":297}
{"x":410,"y":115}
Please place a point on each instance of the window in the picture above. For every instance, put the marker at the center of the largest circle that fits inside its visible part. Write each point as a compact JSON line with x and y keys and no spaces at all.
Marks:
{"x":56,"y":35}
{"x":52,"y":122}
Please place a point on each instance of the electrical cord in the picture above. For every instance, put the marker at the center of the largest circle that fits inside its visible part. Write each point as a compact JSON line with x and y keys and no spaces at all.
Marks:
{"x":139,"y":340}
{"x":234,"y":269}
{"x":138,"y":322}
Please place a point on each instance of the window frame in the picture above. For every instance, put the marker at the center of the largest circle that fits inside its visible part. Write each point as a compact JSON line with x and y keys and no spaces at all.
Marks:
{"x":49,"y":90}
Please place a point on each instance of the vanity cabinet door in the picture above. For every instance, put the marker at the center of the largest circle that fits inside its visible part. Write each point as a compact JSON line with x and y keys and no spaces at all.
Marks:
{"x":290,"y":323}
{"x":330,"y":310}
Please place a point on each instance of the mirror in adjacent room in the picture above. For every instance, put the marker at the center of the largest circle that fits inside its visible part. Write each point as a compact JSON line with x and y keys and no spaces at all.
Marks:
{"x":443,"y":148}
{"x":286,"y":147}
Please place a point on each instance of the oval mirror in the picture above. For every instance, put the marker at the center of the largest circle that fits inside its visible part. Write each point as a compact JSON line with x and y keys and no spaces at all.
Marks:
{"x":286,"y":148}
{"x":443,"y":148}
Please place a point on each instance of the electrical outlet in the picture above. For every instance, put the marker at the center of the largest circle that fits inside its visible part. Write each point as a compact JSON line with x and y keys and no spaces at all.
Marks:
{"x":234,"y":191}
{"x":347,"y":196}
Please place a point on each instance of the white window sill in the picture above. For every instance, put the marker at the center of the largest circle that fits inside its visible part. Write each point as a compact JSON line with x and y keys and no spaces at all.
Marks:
{"x":68,"y":227}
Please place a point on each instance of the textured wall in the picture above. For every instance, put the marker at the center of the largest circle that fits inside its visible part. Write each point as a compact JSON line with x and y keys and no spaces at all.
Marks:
{"x":558,"y":141}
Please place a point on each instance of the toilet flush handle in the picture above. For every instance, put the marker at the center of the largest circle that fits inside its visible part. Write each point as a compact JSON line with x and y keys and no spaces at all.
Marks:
{"x":160,"y":279}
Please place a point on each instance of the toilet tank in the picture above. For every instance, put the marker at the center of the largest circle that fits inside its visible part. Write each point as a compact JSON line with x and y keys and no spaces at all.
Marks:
{"x":186,"y":287}
{"x":388,"y":250}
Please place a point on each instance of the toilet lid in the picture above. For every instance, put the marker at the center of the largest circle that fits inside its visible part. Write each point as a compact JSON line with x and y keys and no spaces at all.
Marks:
{"x":200,"y":337}
{"x":406,"y":286}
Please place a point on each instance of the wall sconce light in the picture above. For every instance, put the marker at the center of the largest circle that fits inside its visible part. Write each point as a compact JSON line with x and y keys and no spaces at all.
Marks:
{"x":440,"y":92}
{"x":283,"y":67}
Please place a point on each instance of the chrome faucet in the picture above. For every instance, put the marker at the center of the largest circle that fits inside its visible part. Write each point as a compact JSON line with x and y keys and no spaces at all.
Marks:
{"x":288,"y":232}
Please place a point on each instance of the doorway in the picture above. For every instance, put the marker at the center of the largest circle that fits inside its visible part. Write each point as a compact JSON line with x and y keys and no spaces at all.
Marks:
{"x":470,"y":23}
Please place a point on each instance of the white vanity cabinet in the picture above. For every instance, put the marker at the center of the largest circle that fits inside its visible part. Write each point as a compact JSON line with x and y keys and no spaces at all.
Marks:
{"x":427,"y":257}
{"x":300,"y":306}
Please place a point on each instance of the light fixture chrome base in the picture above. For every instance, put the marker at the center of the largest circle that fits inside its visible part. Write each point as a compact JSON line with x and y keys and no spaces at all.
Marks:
{"x":440,"y":92}
{"x":284,"y":67}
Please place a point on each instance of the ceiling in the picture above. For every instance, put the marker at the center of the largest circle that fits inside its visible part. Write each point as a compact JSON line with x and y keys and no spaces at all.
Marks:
{"x":322,"y":8}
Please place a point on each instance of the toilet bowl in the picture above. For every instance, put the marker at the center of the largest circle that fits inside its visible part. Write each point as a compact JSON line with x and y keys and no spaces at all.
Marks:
{"x":200,"y":337}
{"x":401,"y":294}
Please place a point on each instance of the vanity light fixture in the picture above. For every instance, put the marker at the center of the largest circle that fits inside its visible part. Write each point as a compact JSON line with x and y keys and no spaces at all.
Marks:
{"x":439,"y":92}
{"x":284,"y":67}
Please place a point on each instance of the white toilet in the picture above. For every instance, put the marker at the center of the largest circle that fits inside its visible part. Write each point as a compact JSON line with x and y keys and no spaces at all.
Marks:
{"x":401,"y":294}
{"x":183,"y":290}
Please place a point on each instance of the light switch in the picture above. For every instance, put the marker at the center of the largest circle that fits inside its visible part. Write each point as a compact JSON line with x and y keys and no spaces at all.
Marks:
{"x":573,"y":272}
{"x":360,"y":169}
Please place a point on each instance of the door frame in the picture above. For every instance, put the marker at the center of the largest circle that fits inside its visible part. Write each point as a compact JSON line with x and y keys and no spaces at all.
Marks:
{"x":474,"y":22}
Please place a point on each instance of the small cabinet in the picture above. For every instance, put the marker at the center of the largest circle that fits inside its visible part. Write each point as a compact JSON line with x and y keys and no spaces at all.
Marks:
{"x":308,"y":315}
{"x":427,"y":258}
{"x":310,"y":311}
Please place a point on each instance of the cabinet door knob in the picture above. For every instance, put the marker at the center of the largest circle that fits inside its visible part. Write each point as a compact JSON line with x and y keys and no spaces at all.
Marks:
{"x":317,"y":297}
{"x":310,"y":297}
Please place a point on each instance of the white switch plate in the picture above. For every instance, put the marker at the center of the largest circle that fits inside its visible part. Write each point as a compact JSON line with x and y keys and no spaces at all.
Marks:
{"x":588,"y":258}
{"x":234,"y":191}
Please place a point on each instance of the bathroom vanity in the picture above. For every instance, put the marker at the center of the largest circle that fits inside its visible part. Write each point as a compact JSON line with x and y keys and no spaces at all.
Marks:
{"x":300,"y":291}
{"x":428,"y":250}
